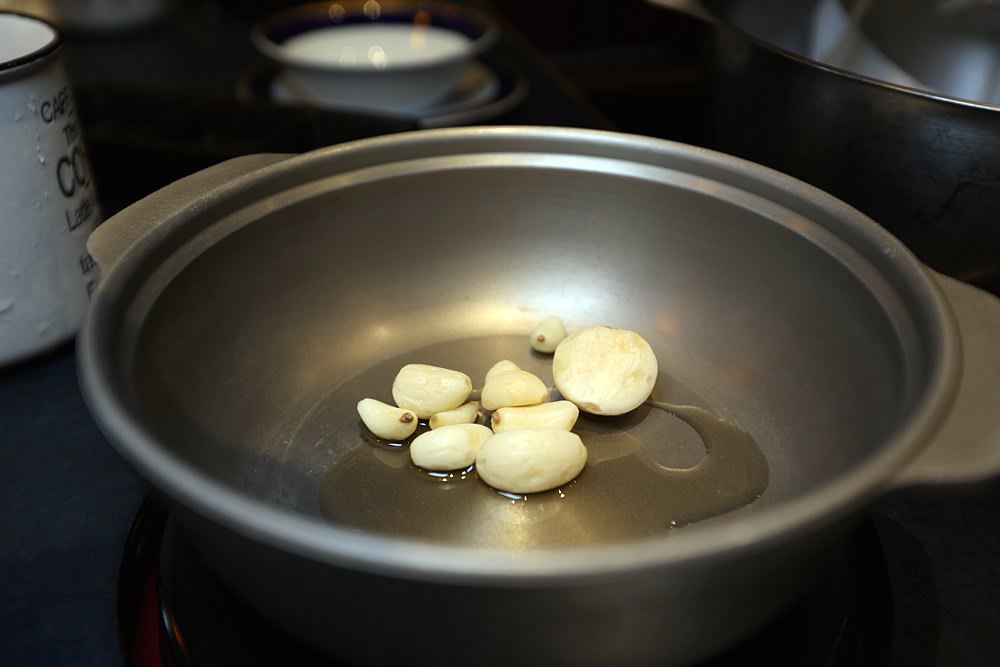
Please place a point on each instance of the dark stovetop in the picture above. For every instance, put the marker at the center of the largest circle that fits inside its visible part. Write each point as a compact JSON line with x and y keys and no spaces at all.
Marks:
{"x":190,"y":91}
{"x":68,"y":500}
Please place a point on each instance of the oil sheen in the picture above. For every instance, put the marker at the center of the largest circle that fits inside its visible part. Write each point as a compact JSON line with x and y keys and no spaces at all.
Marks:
{"x":651,"y":471}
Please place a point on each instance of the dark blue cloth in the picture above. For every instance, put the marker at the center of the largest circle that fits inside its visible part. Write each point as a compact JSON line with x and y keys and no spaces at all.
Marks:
{"x":66,"y":503}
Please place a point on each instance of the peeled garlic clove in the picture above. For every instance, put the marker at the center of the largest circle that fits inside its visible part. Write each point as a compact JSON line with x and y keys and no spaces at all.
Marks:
{"x":512,"y":388}
{"x":547,"y":335}
{"x":428,"y":389}
{"x":531,"y":460}
{"x":558,"y":414}
{"x":464,"y":414}
{"x":387,"y":421}
{"x":500,"y":367}
{"x":605,"y":371}
{"x":449,"y":447}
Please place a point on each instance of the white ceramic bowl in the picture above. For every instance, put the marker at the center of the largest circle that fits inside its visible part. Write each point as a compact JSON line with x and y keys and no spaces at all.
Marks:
{"x":380,"y":55}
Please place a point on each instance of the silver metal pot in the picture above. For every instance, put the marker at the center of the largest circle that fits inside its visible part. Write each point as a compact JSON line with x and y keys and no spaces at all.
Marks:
{"x":244,"y":310}
{"x":917,"y":159}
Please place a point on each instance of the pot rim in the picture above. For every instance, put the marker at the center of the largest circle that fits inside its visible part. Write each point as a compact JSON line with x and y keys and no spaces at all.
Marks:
{"x":786,"y":520}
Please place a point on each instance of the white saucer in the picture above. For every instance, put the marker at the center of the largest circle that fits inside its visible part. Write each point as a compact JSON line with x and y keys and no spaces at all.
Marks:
{"x":478,"y":86}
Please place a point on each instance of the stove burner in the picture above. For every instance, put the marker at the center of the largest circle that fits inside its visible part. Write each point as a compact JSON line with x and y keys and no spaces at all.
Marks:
{"x":174,"y":612}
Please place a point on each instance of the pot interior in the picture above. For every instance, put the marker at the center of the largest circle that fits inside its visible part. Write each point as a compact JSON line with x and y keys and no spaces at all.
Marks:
{"x":255,"y":340}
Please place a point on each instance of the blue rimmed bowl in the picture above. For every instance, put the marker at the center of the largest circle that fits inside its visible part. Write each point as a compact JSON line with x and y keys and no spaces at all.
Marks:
{"x":393,"y":55}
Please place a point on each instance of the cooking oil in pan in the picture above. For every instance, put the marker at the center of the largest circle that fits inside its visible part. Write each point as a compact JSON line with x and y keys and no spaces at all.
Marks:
{"x":651,"y":471}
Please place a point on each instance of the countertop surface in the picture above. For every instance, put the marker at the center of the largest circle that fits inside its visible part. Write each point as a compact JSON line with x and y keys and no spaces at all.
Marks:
{"x":67,"y":500}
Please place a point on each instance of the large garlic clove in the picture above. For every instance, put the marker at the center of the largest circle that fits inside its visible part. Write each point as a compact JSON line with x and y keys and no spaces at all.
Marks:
{"x":428,"y":389}
{"x":387,"y":421}
{"x":513,"y":388}
{"x":547,"y":335}
{"x":558,"y":414}
{"x":449,"y":447}
{"x":531,"y":460}
{"x":605,"y":371}
{"x":500,"y":367}
{"x":463,"y":414}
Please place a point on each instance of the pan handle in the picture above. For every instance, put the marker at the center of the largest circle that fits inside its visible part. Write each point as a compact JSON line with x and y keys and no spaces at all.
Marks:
{"x":692,"y":8}
{"x":967,"y":448}
{"x":115,"y":236}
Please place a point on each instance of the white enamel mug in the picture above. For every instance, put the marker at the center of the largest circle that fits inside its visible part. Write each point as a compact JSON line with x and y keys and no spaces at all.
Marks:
{"x":48,"y":205}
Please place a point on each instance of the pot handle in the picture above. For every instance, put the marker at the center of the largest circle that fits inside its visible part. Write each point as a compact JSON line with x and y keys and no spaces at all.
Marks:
{"x":692,"y":8}
{"x":115,"y":236}
{"x":967,"y":448}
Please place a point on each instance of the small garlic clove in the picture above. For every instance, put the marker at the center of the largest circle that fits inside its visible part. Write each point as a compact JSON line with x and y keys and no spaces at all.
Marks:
{"x":513,"y":388}
{"x":387,"y":421}
{"x":500,"y":367}
{"x":547,"y":335}
{"x":427,"y":390}
{"x":605,"y":371}
{"x":531,"y":460}
{"x":558,"y":414}
{"x":448,"y":447}
{"x":463,"y":414}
